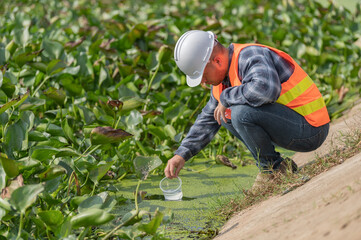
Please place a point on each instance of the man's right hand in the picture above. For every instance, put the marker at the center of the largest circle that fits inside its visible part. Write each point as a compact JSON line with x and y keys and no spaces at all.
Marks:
{"x":175,"y":164}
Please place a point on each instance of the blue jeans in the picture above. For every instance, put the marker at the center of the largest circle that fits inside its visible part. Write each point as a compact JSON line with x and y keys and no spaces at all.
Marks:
{"x":259,"y":128}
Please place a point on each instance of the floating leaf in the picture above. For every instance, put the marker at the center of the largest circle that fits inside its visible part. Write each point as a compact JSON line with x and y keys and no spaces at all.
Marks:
{"x":91,"y":217}
{"x":99,"y":171}
{"x":58,"y":95}
{"x":132,"y":104}
{"x":55,"y":66}
{"x":105,"y":135}
{"x":152,"y":226}
{"x":52,"y":218}
{"x":52,"y":49}
{"x":23,"y":58}
{"x":144,"y":165}
{"x":44,"y":153}
{"x":24,"y":196}
{"x":38,"y":66}
{"x":14,"y":102}
{"x":52,"y":172}
{"x":9,"y":165}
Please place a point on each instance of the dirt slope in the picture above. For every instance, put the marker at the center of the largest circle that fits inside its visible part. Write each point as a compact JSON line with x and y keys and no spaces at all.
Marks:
{"x":326,"y":207}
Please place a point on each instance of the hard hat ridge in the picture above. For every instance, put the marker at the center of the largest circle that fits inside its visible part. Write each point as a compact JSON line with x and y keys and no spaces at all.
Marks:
{"x":191,"y":54}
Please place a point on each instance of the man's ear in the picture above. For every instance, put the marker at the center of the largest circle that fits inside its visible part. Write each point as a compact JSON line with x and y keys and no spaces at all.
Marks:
{"x":218,"y":61}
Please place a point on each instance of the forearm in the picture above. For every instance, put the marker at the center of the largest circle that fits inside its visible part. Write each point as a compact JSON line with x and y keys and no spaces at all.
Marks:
{"x":201,"y":133}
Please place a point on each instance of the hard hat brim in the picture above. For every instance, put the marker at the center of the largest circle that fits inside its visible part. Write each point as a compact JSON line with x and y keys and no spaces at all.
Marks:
{"x":194,"y":81}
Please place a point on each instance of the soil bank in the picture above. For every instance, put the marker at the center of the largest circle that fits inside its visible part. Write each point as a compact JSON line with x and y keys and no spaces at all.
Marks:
{"x":326,"y":207}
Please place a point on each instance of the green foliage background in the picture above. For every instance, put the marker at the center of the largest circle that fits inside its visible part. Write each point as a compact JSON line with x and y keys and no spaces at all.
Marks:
{"x":63,"y":61}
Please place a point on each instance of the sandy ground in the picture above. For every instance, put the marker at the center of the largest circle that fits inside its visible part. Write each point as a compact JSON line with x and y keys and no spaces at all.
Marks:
{"x":326,"y":207}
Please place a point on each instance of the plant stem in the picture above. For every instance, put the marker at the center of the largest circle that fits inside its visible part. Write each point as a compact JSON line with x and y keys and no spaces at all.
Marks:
{"x":133,"y":216}
{"x":153,"y":77}
{"x":21,"y":225}
{"x":116,"y":125}
{"x":123,"y":176}
{"x":93,"y":189}
{"x":82,"y":155}
{"x":136,"y":197}
{"x":40,"y":85}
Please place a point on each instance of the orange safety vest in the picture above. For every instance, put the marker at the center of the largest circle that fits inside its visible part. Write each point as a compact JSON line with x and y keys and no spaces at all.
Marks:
{"x":299,"y":92}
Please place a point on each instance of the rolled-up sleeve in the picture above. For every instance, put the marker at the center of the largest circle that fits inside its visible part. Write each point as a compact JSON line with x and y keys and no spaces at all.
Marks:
{"x":260,"y":79}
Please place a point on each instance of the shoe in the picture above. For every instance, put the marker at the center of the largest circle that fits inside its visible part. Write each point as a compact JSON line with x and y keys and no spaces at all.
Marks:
{"x":288,"y":166}
{"x":261,"y":180}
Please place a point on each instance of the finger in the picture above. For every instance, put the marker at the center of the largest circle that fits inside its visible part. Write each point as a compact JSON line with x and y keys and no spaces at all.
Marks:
{"x":219,"y":118}
{"x":172,"y":174}
{"x":166,"y":171}
{"x":177,"y":171}
{"x":215,"y":113}
{"x":224,"y":117}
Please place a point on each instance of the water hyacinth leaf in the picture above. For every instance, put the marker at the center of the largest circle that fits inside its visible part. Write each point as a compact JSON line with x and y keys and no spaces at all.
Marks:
{"x":91,"y":217}
{"x":108,"y":201}
{"x":7,"y":86}
{"x":52,"y":218}
{"x":69,"y":132}
{"x":38,"y":66}
{"x":32,"y":103}
{"x":4,"y":204}
{"x":21,"y":36}
{"x":107,"y":109}
{"x":90,"y":202}
{"x":132,"y":103}
{"x":157,"y":131}
{"x":152,"y":226}
{"x":37,"y":136}
{"x":144,"y":165}
{"x":14,"y":137}
{"x":87,"y":115}
{"x":2,"y":177}
{"x":52,"y":172}
{"x":23,"y":58}
{"x":68,"y":82}
{"x":27,"y":163}
{"x":11,"y":47}
{"x":44,"y":153}
{"x":105,"y":135}
{"x":24,"y":196}
{"x":58,"y":95}
{"x":52,"y":49}
{"x":14,"y":102}
{"x":103,"y":75}
{"x":99,"y":171}
{"x":9,"y":165}
{"x":164,"y":54}
{"x":170,"y":131}
{"x":55,"y":66}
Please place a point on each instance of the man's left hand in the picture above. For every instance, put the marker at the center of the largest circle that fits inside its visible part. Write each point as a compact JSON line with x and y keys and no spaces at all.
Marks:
{"x":220,"y":112}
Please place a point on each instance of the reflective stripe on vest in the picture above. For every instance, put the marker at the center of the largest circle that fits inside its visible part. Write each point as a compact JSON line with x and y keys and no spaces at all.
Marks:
{"x":299,"y":92}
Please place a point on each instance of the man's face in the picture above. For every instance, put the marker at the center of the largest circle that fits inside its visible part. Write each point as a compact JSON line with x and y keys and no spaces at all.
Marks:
{"x":213,"y":74}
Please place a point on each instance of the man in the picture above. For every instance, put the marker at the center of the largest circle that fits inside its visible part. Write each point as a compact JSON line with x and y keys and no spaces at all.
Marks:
{"x":260,"y":94}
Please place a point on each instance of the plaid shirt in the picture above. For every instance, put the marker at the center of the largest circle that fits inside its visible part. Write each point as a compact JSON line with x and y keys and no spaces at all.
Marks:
{"x":262,"y":72}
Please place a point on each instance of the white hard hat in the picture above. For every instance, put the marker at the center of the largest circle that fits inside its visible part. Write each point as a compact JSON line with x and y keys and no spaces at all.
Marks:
{"x":191,"y":54}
